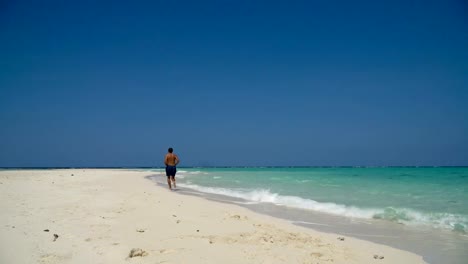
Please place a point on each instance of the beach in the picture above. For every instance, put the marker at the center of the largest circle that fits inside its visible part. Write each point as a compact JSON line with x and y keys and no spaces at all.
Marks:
{"x":416,"y":209}
{"x":100,"y":215}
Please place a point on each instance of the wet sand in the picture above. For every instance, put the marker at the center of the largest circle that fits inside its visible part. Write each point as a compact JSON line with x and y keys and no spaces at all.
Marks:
{"x":435,"y":245}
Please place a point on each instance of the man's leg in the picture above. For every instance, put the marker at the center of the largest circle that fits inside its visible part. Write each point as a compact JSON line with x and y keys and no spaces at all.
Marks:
{"x":168,"y":178}
{"x":173,"y":181}
{"x":169,"y":182}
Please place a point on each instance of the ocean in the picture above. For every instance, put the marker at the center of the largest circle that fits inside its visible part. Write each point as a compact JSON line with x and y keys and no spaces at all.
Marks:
{"x":399,"y":206}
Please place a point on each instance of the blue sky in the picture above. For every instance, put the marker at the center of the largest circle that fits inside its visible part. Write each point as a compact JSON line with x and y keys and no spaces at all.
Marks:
{"x":234,"y":83}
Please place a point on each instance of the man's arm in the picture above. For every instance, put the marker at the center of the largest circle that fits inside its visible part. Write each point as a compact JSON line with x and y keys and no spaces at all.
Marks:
{"x":176,"y":160}
{"x":165,"y":160}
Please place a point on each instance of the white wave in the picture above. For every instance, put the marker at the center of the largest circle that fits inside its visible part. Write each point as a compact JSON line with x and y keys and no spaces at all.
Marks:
{"x":195,"y":172}
{"x":183,"y":173}
{"x":412,"y":217}
{"x":399,"y":215}
{"x":265,"y":196}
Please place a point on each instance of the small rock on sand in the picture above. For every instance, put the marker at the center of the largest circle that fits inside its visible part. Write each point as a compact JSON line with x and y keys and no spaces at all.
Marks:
{"x":341,"y":238}
{"x":378,"y":257}
{"x":46,"y":230}
{"x":55,"y":237}
{"x":137,"y":252}
{"x":140,"y":230}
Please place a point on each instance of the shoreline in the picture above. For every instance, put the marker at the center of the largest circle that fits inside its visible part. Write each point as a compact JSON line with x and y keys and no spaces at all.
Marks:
{"x":403,"y":237}
{"x":100,"y":215}
{"x":407,"y":238}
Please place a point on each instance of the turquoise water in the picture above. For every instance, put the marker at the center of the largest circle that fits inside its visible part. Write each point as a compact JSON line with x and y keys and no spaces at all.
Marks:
{"x":435,"y":197}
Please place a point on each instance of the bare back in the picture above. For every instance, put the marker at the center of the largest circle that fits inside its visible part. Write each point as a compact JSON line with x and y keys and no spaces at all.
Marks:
{"x":171,"y":159}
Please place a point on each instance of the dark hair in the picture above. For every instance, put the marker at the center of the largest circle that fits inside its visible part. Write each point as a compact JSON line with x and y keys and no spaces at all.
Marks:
{"x":170,"y":150}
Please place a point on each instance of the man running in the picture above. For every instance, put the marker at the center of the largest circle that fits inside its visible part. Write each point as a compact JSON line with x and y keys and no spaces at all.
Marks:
{"x":171,"y":160}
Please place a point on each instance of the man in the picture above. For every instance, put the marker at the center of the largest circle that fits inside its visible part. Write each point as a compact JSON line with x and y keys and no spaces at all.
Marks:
{"x":171,"y":160}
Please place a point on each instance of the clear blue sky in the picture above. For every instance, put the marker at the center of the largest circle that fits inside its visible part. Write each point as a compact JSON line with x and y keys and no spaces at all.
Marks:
{"x":247,"y":83}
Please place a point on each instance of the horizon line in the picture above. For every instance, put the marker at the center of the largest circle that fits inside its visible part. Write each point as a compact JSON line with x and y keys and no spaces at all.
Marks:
{"x":192,"y":167}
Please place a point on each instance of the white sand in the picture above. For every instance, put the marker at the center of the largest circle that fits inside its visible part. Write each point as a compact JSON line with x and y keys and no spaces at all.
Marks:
{"x":97,"y":215}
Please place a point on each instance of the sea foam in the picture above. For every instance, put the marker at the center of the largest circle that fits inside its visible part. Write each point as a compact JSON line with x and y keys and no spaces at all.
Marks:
{"x":406,"y":216}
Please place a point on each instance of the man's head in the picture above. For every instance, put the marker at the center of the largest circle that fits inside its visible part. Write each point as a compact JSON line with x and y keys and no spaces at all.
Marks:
{"x":170,"y":150}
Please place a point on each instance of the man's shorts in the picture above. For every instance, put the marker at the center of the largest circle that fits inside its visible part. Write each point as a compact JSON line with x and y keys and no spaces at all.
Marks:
{"x":171,"y":171}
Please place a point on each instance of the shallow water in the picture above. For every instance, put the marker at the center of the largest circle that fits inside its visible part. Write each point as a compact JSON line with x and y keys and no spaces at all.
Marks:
{"x":413,"y":196}
{"x":422,"y":210}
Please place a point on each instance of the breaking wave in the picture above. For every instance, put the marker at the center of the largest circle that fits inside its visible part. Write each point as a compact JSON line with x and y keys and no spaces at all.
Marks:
{"x":455,"y":222}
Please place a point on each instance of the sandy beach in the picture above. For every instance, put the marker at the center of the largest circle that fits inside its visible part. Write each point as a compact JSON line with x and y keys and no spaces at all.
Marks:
{"x":99,"y":216}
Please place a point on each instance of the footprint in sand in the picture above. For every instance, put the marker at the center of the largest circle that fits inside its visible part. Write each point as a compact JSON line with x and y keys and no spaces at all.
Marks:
{"x":167,"y":251}
{"x":238,"y":217}
{"x":52,"y":259}
{"x":316,"y":254}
